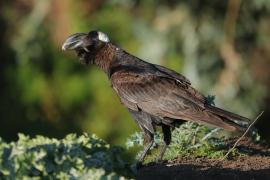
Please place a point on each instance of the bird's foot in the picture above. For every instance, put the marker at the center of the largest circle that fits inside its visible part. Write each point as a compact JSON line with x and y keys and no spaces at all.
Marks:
{"x":159,"y":160}
{"x":136,"y":167}
{"x":139,"y":165}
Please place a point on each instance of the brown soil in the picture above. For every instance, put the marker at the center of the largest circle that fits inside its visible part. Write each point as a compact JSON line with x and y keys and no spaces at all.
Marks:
{"x":255,"y":165}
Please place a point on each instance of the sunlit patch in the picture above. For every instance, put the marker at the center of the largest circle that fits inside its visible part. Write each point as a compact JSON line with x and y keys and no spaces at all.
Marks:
{"x":103,"y":37}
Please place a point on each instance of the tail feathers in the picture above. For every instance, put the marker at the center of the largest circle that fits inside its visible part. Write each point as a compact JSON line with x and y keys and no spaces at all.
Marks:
{"x":233,"y":126}
{"x":227,"y":114}
{"x":234,"y":122}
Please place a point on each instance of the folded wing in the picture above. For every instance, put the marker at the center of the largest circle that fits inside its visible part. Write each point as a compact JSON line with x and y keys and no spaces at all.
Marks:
{"x":165,"y":97}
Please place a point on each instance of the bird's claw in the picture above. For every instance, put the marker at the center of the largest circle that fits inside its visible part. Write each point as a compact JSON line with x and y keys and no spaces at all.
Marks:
{"x":159,"y":160}
{"x":139,"y":165}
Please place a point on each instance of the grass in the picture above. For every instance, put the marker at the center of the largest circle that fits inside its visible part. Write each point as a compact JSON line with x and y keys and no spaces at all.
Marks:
{"x":190,"y":139}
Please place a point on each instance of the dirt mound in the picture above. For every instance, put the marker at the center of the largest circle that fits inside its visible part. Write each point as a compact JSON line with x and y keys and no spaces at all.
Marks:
{"x":254,"y":165}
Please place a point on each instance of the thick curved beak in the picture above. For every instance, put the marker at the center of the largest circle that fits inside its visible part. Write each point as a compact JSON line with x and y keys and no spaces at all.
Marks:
{"x":75,"y":41}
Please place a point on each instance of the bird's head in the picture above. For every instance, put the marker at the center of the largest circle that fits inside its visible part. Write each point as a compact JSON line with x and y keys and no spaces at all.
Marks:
{"x":86,"y":45}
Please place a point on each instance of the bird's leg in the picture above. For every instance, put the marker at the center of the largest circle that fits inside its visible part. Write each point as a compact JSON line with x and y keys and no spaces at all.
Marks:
{"x":148,"y":142}
{"x":167,"y":140}
{"x":145,"y":123}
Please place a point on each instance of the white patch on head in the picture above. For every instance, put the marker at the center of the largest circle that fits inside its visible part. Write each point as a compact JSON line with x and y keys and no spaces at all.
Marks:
{"x":103,"y":37}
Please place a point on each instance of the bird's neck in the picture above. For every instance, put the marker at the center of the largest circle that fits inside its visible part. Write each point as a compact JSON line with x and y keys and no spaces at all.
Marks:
{"x":105,"y":57}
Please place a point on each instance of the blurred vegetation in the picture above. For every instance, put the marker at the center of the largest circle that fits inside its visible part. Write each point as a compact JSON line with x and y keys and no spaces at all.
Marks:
{"x":221,"y":46}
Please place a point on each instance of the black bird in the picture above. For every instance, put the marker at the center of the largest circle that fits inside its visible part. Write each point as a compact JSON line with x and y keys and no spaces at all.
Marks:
{"x":153,"y":94}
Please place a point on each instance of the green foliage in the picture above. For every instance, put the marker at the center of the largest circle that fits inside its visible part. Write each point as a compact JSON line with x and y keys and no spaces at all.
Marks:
{"x":74,"y":157}
{"x":190,"y":139}
{"x":46,"y":91}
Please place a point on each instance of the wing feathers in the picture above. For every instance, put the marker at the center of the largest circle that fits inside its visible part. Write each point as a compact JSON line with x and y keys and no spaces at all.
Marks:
{"x":226,"y":114}
{"x":166,"y":98}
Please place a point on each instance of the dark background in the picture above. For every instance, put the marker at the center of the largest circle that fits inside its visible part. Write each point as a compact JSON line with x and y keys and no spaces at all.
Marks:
{"x":222,"y":46}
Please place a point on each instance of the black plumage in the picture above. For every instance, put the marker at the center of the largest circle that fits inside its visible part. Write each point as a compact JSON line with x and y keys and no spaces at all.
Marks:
{"x":153,"y":94}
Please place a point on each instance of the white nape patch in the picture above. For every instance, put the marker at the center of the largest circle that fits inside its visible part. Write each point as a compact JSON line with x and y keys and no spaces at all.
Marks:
{"x":103,"y":37}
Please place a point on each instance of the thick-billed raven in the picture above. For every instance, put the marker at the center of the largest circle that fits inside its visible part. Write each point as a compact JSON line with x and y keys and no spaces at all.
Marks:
{"x":153,"y":94}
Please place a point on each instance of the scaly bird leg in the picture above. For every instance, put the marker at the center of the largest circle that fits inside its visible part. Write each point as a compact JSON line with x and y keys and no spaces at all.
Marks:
{"x":148,"y":142}
{"x":167,"y":140}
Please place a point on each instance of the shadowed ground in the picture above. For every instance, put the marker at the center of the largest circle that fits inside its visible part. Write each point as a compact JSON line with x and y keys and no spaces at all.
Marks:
{"x":255,"y":165}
